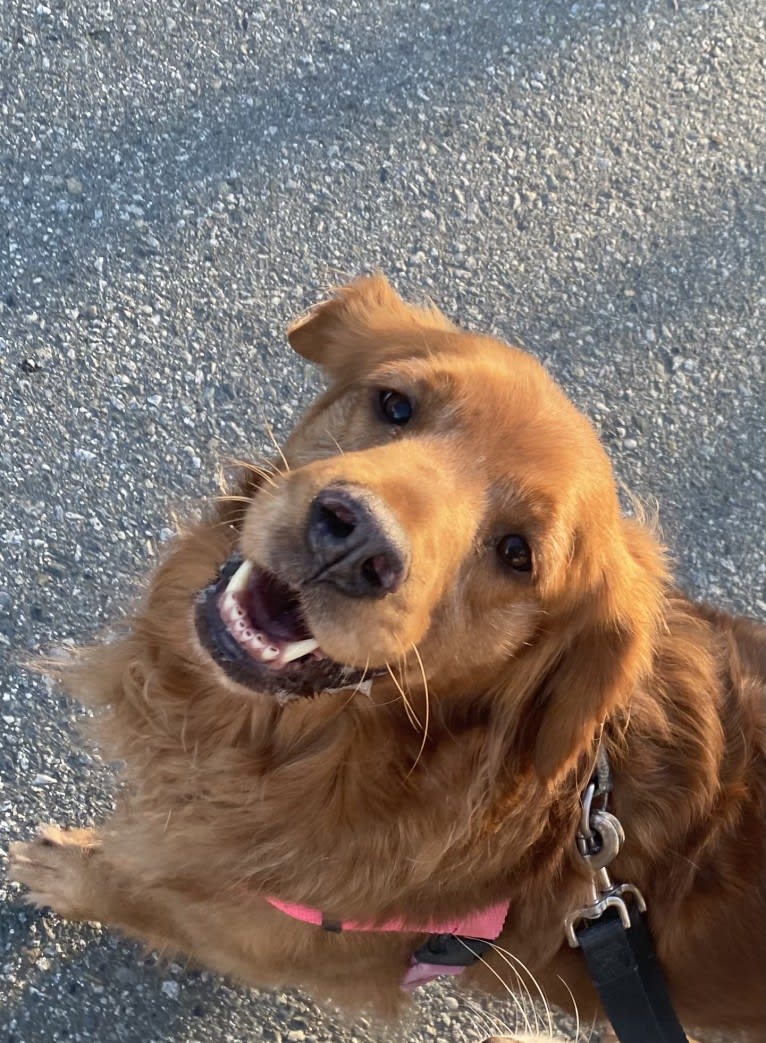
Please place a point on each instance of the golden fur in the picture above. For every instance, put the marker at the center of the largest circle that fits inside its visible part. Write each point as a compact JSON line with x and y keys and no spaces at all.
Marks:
{"x":456,"y":782}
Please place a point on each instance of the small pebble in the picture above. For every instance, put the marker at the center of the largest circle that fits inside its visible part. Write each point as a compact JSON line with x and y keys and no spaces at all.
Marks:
{"x":171,"y":989}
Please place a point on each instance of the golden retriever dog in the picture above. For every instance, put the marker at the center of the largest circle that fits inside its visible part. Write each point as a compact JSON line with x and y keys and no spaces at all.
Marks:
{"x":363,"y":698}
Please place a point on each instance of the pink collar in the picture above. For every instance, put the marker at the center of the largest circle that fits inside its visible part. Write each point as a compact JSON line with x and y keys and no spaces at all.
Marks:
{"x":485,"y":924}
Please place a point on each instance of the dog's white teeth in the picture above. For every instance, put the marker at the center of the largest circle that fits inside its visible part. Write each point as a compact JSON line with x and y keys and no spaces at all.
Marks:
{"x":240,"y":579}
{"x":296,"y":649}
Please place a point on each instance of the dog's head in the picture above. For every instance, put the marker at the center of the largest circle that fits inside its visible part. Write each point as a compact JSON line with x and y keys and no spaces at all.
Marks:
{"x":443,"y":512}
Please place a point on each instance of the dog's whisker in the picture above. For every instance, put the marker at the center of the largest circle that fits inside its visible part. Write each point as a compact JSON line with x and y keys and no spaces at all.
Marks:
{"x":357,"y":689}
{"x":426,"y":710}
{"x":264,"y":421}
{"x":413,"y":718}
{"x":232,"y":498}
{"x":411,"y":713}
{"x":388,"y":702}
{"x":262,"y":491}
{"x":184,"y":725}
{"x":492,"y":1025}
{"x":522,"y":985}
{"x":268,"y":488}
{"x":337,"y":443}
{"x":227,"y":522}
{"x":266,"y":472}
{"x":507,"y":953}
{"x":575,"y":1008}
{"x":592,"y":1029}
{"x":503,"y":1025}
{"x":401,"y":666}
{"x":690,"y":862}
{"x":343,"y":277}
{"x":221,"y":478}
{"x":511,"y":994}
{"x":277,"y":446}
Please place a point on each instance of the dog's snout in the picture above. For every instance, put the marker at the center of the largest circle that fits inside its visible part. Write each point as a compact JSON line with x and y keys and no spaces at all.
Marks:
{"x":355,"y":543}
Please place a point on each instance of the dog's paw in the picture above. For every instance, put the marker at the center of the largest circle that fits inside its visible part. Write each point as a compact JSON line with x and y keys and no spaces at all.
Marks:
{"x":54,"y":867}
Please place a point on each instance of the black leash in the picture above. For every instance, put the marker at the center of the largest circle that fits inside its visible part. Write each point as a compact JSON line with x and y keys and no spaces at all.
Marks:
{"x":614,"y":938}
{"x":629,"y":979}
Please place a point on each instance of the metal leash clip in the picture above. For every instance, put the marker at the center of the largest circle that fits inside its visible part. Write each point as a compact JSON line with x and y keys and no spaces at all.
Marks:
{"x":599,"y":840}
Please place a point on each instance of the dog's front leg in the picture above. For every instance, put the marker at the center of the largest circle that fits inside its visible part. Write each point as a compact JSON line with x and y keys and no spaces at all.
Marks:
{"x":65,"y":870}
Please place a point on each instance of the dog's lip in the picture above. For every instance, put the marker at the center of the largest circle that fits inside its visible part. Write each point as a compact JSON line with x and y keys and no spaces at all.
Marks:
{"x":239,"y":625}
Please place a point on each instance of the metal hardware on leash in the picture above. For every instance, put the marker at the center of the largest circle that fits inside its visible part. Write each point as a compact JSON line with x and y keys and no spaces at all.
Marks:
{"x":599,"y":840}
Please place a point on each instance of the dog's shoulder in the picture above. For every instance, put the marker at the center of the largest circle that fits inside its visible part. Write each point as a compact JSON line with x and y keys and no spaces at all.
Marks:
{"x":743,"y":637}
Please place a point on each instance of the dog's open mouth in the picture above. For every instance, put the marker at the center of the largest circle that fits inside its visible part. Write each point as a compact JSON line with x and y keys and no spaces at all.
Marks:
{"x":252,"y":625}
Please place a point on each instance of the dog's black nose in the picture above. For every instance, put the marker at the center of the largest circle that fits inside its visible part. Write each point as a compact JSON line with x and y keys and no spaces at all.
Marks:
{"x":355,"y":543}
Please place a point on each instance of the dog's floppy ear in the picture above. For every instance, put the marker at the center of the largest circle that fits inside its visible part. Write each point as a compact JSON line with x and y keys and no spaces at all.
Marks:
{"x":358,"y":323}
{"x":608,"y":648}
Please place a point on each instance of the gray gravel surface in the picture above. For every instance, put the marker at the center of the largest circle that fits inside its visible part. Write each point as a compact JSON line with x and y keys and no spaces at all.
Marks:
{"x":180,"y":179}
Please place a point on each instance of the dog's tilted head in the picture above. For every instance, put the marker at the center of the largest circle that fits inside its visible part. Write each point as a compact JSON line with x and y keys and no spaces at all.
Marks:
{"x":443,"y":515}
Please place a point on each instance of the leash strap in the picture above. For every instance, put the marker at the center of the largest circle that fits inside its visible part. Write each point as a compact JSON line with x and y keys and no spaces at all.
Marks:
{"x":613,"y":934}
{"x":629,"y":980}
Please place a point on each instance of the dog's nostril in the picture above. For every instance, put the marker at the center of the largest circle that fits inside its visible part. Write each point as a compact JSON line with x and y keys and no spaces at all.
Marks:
{"x":380,"y":572}
{"x":337,"y":520}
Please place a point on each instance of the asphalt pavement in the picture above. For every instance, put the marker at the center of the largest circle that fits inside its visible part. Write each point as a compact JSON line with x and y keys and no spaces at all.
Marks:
{"x":179,"y":180}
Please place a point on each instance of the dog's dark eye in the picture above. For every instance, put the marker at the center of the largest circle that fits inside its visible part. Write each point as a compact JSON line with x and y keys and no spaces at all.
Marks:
{"x":395,"y":407}
{"x":514,"y":552}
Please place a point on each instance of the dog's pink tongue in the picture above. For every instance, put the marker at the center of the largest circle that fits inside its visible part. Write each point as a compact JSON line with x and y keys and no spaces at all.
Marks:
{"x":260,"y":646}
{"x":275,"y":608}
{"x":421,"y":973}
